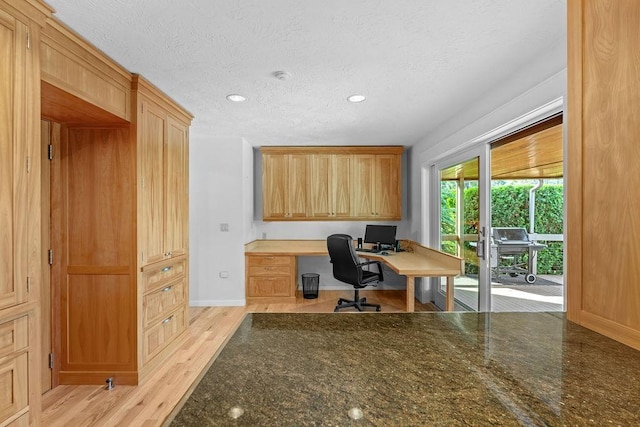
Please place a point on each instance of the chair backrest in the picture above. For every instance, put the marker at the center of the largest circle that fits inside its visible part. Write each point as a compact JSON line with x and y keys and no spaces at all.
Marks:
{"x":344,"y":259}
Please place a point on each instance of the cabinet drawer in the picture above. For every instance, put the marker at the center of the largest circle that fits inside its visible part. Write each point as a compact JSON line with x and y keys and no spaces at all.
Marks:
{"x":275,"y":270}
{"x":269,"y":287}
{"x":162,"y":333}
{"x":14,"y":335}
{"x":157,"y":277}
{"x":256,"y":261}
{"x":14,"y":394}
{"x":161,"y":302}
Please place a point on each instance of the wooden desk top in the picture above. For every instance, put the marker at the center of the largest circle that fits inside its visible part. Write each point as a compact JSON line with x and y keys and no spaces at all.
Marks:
{"x":418,"y":260}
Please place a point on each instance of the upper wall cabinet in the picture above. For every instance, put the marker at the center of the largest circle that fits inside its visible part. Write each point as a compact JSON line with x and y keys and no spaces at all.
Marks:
{"x":162,"y":133}
{"x":331,"y":183}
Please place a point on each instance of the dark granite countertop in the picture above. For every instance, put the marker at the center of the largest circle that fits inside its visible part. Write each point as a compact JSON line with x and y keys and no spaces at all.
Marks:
{"x":418,"y":369}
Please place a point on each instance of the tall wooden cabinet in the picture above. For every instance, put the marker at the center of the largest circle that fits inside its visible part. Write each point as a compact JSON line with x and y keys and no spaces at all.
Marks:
{"x":603,"y":181}
{"x":332,"y":183}
{"x":161,"y":134}
{"x":20,"y":251}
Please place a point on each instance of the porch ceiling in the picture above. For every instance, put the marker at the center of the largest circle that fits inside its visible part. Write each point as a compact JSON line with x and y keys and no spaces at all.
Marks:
{"x":531,"y":157}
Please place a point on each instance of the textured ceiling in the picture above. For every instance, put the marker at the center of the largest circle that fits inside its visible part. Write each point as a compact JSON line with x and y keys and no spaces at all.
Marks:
{"x":419,"y":62}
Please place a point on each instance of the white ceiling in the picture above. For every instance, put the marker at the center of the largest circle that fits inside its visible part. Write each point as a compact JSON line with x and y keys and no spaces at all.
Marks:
{"x":419,"y":62}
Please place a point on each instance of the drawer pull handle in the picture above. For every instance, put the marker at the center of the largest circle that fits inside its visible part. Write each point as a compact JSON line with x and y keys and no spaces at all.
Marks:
{"x":164,"y":270}
{"x":167,"y":289}
{"x":167,"y":320}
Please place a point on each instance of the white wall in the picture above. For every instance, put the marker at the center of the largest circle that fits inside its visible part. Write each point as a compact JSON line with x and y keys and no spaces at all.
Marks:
{"x":220,"y":188}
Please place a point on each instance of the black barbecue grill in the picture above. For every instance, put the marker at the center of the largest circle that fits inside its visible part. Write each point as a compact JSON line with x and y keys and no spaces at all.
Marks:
{"x":509,"y":245}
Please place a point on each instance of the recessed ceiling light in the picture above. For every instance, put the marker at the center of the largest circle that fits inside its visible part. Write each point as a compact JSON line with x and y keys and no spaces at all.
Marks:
{"x":356,"y":98}
{"x":233,"y":97}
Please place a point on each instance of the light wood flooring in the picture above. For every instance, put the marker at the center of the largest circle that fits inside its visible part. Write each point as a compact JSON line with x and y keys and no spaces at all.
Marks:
{"x":152,"y":401}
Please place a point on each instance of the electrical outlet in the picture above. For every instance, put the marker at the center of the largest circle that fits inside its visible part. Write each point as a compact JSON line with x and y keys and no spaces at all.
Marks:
{"x":224,"y":226}
{"x":224,"y":274}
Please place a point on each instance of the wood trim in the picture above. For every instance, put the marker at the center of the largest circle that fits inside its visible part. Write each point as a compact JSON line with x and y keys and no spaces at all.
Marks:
{"x":32,"y":10}
{"x":391,"y":149}
{"x":574,"y":160}
{"x":614,"y":330}
{"x":164,"y":101}
{"x":72,"y":64}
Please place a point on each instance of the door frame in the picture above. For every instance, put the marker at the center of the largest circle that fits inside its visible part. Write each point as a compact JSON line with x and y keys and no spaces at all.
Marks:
{"x":482,"y":152}
{"x":430,"y":221}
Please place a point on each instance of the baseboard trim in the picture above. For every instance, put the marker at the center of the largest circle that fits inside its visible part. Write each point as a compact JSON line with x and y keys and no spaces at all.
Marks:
{"x":217,"y":303}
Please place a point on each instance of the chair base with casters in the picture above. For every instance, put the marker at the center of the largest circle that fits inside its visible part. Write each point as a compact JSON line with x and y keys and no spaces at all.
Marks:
{"x":347,"y":268}
{"x":356,"y":302}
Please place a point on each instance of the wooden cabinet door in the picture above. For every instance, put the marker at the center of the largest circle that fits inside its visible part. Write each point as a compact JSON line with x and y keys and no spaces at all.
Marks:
{"x":274,"y":183}
{"x":388,"y":187}
{"x":284,"y":181}
{"x":176,"y":188}
{"x":320,"y":186}
{"x":363,"y":169}
{"x":151,"y":137}
{"x":341,"y":185}
{"x":297,"y":192}
{"x":13,"y":157}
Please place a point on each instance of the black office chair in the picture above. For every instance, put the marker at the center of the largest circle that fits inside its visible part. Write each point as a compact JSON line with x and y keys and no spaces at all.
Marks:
{"x":348,"y":269}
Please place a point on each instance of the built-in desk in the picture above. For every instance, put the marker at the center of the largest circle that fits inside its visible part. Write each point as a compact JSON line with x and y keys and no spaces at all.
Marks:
{"x":271,"y":267}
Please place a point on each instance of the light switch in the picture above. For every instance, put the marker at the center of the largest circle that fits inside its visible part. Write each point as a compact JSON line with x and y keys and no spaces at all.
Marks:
{"x":224,"y":274}
{"x":224,"y":226}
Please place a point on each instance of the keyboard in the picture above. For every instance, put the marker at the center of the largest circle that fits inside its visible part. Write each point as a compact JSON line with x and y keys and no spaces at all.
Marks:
{"x":372,"y":251}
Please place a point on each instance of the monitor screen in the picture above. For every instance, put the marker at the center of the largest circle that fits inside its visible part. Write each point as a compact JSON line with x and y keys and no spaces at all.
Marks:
{"x":384,"y":234}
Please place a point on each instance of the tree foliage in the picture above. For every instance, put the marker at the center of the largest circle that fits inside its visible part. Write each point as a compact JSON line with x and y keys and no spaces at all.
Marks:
{"x":510,"y":208}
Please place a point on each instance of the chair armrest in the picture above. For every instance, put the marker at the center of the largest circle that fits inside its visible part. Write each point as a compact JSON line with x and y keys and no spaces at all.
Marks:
{"x":368,"y":262}
{"x":371,"y":262}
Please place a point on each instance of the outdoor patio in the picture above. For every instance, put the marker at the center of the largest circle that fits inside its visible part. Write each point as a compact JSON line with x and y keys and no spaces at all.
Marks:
{"x":514,"y":294}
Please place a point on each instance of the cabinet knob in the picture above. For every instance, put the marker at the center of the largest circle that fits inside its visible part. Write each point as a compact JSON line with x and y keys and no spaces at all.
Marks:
{"x":167,"y":320}
{"x":167,"y":289}
{"x":164,"y":270}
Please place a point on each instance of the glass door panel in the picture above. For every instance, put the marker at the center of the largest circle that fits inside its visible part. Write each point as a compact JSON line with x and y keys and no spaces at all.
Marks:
{"x":459,"y":225}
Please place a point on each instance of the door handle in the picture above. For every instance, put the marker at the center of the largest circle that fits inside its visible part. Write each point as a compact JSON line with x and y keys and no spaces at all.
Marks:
{"x":480,"y":248}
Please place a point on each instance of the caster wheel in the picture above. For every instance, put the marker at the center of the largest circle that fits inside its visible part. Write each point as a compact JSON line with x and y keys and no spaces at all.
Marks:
{"x":377,"y":308}
{"x":530,"y":278}
{"x":335,"y":310}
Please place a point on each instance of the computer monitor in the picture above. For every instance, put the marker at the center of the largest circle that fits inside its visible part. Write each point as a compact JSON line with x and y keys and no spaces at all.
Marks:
{"x":383,"y":234}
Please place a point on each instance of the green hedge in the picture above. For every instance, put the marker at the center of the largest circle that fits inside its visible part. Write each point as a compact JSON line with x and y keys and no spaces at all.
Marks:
{"x":510,"y":208}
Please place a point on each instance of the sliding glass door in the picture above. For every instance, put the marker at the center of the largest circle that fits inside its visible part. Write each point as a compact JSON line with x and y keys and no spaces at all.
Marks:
{"x":463,"y":218}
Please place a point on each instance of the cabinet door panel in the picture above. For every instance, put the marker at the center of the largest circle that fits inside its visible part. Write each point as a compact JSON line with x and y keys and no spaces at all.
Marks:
{"x":297,"y":191}
{"x":98,"y":323}
{"x":388,"y":189}
{"x":320,"y":185}
{"x":176,"y":189}
{"x":274,"y":182}
{"x":13,"y":174}
{"x":341,"y":186}
{"x":362,"y":185}
{"x":151,"y":217}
